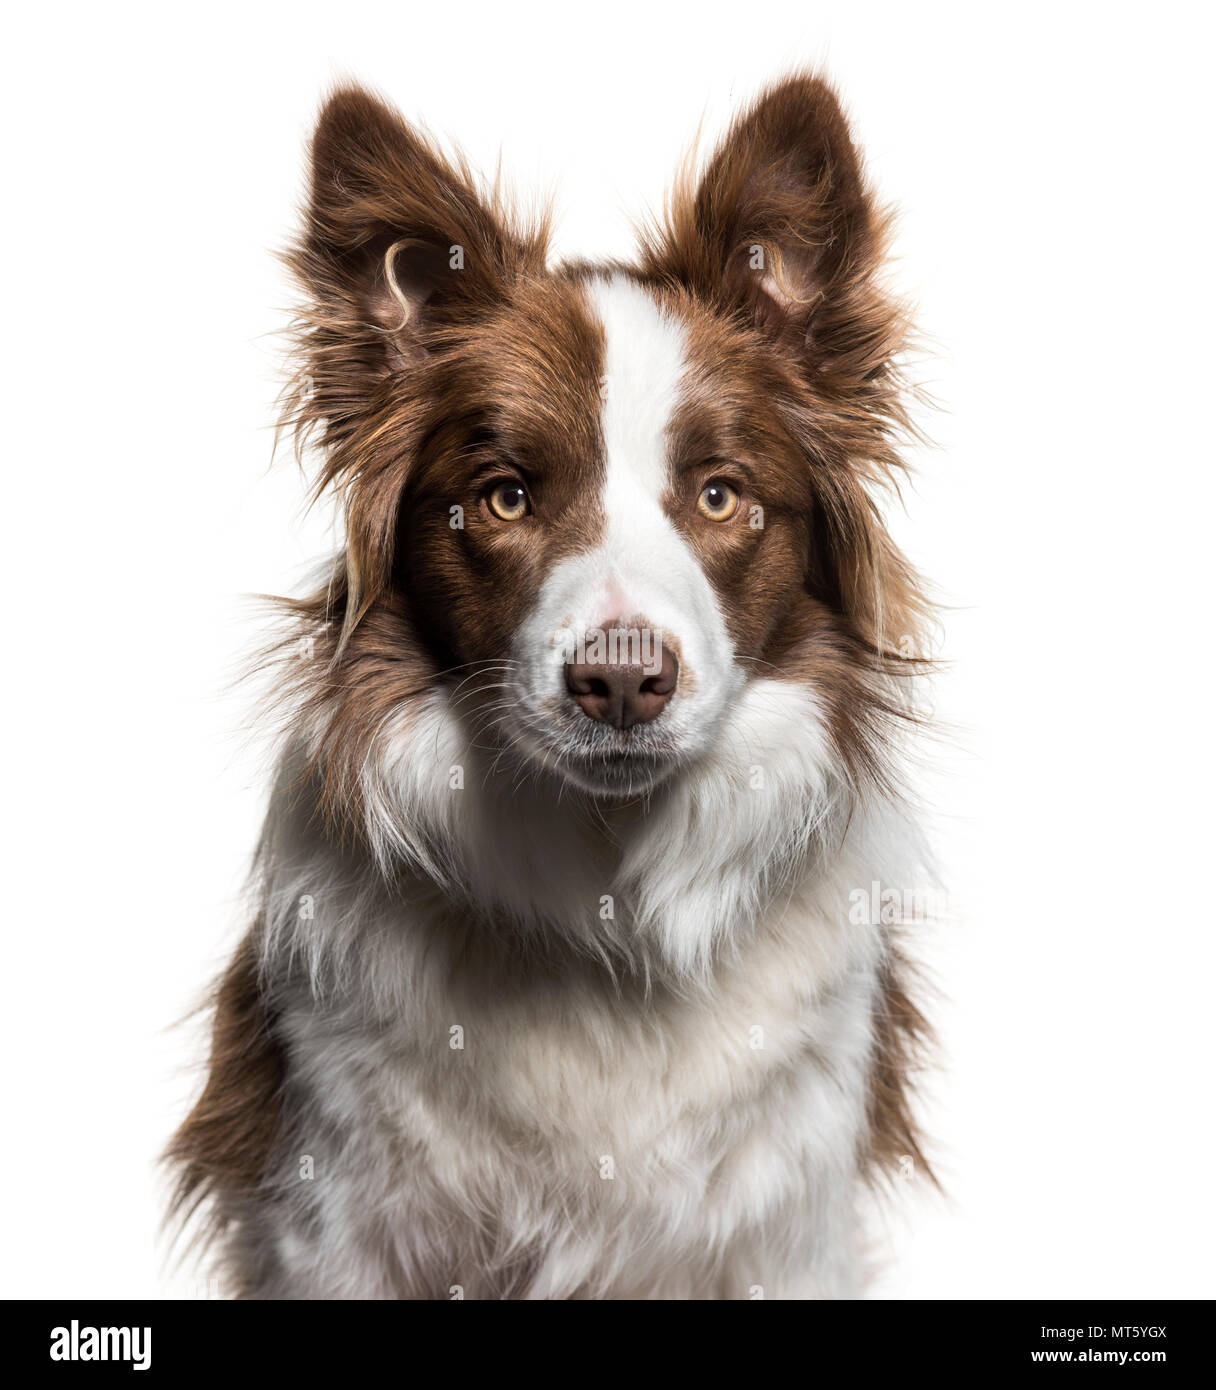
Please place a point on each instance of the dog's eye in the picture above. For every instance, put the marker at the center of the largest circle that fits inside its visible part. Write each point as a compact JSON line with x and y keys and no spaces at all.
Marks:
{"x":718,"y":502}
{"x":508,"y":501}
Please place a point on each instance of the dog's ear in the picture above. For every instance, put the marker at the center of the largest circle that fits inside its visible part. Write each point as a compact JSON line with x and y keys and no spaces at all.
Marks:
{"x":781,"y":233}
{"x":399,"y":255}
{"x":782,"y":229}
{"x":398,"y":245}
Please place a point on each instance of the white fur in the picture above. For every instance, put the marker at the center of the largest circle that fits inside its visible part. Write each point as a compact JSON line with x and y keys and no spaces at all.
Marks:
{"x":642,"y":570}
{"x":729,"y":1099}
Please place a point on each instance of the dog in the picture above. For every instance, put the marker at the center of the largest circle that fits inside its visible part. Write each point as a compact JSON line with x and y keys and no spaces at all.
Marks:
{"x":591,"y":735}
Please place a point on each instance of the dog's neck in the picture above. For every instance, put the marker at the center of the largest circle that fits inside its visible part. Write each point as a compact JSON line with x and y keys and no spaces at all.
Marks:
{"x":660,"y":886}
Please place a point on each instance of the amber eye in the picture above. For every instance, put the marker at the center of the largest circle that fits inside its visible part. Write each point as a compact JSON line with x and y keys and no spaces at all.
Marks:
{"x":718,"y":502}
{"x":508,"y":501}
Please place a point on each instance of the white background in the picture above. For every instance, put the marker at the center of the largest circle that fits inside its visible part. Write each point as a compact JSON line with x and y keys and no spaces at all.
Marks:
{"x":1052,"y":164}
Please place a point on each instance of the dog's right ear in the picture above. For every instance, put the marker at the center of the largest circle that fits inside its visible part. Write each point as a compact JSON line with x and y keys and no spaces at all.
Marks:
{"x":397,"y":246}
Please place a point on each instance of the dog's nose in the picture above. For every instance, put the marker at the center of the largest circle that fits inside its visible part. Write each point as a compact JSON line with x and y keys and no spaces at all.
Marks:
{"x":620,"y":694}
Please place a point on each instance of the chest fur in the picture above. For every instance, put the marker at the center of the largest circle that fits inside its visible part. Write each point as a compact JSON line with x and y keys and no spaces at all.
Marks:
{"x":555,"y":1136}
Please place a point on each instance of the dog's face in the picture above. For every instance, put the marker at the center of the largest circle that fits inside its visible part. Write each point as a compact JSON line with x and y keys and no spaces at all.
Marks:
{"x":622,"y":546}
{"x":598,"y":503}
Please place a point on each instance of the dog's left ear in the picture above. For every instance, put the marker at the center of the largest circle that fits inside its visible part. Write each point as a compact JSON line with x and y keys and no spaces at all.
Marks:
{"x":782,"y":229}
{"x":781,"y":233}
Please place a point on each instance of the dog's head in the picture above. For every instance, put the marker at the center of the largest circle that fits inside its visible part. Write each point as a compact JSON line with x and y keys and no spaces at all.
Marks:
{"x":595,"y":505}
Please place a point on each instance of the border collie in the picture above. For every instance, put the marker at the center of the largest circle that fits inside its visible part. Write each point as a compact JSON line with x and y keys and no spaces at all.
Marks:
{"x":592,"y":734}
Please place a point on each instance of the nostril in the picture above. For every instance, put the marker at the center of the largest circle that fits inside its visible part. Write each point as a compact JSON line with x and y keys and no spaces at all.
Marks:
{"x":662,"y":684}
{"x":664,"y":680}
{"x":583,"y":680}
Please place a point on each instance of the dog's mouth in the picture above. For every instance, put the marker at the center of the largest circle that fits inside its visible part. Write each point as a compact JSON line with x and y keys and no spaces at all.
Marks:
{"x":617,"y":776}
{"x":601,"y":760}
{"x":622,"y":770}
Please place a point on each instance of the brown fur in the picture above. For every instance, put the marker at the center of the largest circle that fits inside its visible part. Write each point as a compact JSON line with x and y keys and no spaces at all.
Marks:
{"x":903,"y":1041}
{"x":222,"y":1147}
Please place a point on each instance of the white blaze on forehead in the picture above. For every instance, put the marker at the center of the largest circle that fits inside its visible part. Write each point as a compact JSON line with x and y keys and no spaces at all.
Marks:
{"x":644,"y":366}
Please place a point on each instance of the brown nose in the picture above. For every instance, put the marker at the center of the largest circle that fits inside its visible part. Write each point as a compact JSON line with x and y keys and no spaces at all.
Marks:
{"x":622,"y":695}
